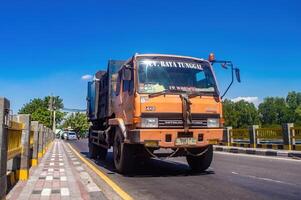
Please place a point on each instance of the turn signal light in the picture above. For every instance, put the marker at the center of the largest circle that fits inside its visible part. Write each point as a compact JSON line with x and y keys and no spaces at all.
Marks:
{"x":211,"y":57}
{"x":136,"y":120}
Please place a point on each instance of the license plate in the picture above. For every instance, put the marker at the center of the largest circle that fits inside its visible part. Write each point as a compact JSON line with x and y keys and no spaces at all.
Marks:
{"x":185,"y":141}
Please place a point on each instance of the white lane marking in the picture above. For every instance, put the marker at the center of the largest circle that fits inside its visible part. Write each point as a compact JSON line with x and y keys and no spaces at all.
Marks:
{"x":79,"y":168}
{"x":49,"y":178}
{"x":46,"y":192}
{"x":65,"y":192}
{"x":76,"y":163}
{"x":257,"y":156}
{"x":262,"y":178}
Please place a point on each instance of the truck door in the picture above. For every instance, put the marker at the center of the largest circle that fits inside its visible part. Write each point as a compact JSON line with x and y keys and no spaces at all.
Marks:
{"x":128,"y":95}
{"x":125,"y":96}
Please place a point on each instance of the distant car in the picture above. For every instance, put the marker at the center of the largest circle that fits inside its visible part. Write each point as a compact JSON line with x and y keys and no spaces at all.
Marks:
{"x":71,"y":136}
{"x":64,"y":136}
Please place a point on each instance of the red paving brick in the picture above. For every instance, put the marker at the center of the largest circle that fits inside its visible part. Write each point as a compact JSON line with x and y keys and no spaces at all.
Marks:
{"x":53,"y":188}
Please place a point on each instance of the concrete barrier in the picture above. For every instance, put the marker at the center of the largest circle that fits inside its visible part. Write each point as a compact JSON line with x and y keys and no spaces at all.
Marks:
{"x":4,"y":111}
{"x":22,"y":144}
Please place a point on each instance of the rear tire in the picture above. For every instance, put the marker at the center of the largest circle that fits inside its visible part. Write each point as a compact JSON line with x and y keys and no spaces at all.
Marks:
{"x":200,"y":163}
{"x":123,"y":154}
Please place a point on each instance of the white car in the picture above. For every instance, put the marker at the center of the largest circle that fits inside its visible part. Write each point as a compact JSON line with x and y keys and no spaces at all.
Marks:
{"x":71,"y":136}
{"x":64,"y":136}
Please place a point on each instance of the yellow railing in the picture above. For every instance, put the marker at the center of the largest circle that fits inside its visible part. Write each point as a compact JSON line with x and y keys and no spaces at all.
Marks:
{"x":296,"y":133}
{"x":14,"y":139}
{"x":242,"y":134}
{"x":269,"y":133}
{"x":31,"y":138}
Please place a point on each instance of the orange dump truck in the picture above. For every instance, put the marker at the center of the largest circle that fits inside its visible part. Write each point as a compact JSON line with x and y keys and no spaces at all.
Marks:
{"x":155,"y":105}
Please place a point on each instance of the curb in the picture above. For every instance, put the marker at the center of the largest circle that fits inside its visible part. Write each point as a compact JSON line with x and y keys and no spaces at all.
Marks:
{"x":260,"y":152}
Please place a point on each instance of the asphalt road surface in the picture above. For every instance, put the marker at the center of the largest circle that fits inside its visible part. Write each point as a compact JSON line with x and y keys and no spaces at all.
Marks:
{"x":230,"y":176}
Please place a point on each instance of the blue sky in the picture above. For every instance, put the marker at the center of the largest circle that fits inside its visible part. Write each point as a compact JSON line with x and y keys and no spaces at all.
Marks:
{"x":47,"y":46}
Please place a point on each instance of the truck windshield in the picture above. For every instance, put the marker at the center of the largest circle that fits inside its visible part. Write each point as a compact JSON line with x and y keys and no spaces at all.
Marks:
{"x":181,"y":75}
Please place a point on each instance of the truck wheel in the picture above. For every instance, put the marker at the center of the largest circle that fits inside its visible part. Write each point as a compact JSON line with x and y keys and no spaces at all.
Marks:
{"x":123,"y":158}
{"x":200,"y":163}
{"x":92,"y":150}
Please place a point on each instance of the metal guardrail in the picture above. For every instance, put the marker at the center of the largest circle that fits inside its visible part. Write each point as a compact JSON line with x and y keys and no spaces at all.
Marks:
{"x":241,"y":134}
{"x":284,"y":138}
{"x":269,"y":133}
{"x":296,"y":133}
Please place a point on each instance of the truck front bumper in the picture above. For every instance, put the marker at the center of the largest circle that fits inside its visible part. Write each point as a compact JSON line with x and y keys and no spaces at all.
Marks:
{"x":166,"y":138}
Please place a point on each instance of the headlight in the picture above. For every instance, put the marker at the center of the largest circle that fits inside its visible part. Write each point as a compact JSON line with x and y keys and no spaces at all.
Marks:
{"x":212,"y":122}
{"x":149,"y":123}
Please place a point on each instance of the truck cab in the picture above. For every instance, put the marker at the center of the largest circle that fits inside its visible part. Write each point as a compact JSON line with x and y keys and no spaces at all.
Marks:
{"x":157,"y":102}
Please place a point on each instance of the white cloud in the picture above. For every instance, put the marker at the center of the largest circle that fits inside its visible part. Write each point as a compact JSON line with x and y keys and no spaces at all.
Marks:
{"x":254,"y":100}
{"x":87,"y":77}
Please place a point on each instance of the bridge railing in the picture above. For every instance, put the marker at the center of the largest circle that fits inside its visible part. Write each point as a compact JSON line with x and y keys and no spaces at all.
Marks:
{"x":22,"y":143}
{"x":14,"y":139}
{"x":296,"y":134}
{"x":288,"y":137}
{"x":239,"y":136}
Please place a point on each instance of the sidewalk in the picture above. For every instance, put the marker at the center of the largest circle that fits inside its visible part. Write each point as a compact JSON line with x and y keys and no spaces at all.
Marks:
{"x":259,"y":151}
{"x":59,"y":175}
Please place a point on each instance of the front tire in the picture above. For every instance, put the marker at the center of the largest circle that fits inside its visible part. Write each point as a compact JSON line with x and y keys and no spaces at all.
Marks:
{"x":202,"y":162}
{"x":102,"y":153}
{"x":92,"y":150}
{"x":123,"y":154}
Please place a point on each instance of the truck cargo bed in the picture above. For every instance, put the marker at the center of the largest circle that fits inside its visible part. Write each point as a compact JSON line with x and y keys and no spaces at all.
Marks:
{"x":101,"y":91}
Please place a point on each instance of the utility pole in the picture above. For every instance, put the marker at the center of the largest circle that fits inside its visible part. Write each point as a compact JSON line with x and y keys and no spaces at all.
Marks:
{"x":52,"y":108}
{"x":54,"y":121}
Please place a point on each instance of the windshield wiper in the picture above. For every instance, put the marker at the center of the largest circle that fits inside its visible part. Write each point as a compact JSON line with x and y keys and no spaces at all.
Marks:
{"x":192,"y":95}
{"x":163,"y":92}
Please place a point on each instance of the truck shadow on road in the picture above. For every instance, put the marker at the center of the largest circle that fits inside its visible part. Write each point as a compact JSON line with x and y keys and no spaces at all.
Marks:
{"x":150,"y":168}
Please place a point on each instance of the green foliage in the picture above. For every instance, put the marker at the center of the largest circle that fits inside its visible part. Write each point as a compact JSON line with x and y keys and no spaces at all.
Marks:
{"x":272,"y":112}
{"x":38,"y":108}
{"x":240,"y":114}
{"x":78,"y":122}
{"x":293,"y":100}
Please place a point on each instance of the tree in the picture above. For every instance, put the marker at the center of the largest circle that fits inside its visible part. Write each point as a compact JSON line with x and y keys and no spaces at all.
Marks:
{"x":229,"y":113}
{"x":274,"y":111}
{"x":38,"y":108}
{"x":293,"y":101}
{"x":240,"y":114}
{"x":78,"y":122}
{"x":298,"y":117}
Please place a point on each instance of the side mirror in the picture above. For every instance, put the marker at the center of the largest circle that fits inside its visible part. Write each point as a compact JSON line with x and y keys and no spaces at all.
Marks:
{"x":237,"y":74}
{"x":126,"y":74}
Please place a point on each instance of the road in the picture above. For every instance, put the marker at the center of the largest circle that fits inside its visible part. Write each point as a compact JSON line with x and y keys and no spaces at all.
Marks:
{"x":231,"y":176}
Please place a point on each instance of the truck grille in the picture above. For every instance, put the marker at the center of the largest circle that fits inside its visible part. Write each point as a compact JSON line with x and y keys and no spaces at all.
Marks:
{"x":174,"y":120}
{"x":178,"y":123}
